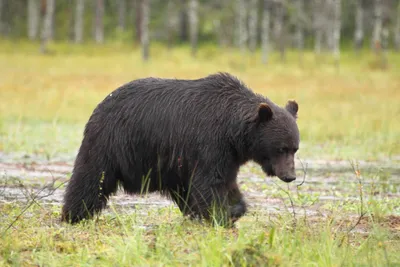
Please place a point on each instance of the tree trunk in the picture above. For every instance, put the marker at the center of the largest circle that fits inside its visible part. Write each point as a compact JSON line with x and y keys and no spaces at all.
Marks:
{"x":384,"y":44}
{"x":397,"y":30}
{"x":359,"y":24}
{"x":377,"y":31}
{"x":219,"y":24}
{"x":241,"y":24}
{"x":317,"y":16}
{"x":299,"y":28}
{"x":194,"y":24}
{"x":49,"y":18}
{"x":144,"y":28}
{"x":71,"y":18}
{"x":121,"y":14}
{"x":171,"y":15}
{"x":1,"y":17}
{"x":78,"y":26}
{"x":5,"y":17}
{"x":253,"y":19}
{"x":47,"y":24}
{"x":98,"y":22}
{"x":33,"y":18}
{"x":265,"y":31}
{"x":328,"y":23}
{"x":279,"y":29}
{"x":52,"y":23}
{"x":336,"y":31}
{"x":138,"y":20}
{"x":183,"y":21}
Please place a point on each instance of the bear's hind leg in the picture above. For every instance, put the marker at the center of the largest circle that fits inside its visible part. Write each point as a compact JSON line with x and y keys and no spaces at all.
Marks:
{"x":87,"y":192}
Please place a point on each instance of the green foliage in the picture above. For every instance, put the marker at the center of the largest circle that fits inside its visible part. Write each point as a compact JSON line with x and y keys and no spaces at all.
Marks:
{"x":14,"y":20}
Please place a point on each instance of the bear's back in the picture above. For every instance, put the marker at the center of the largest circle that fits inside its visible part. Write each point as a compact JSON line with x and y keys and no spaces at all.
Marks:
{"x":167,"y":113}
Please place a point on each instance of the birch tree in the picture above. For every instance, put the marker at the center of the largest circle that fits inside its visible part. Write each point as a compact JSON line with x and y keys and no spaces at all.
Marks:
{"x":300,"y":28}
{"x":138,"y":20}
{"x":47,"y":24}
{"x":265,"y":25}
{"x":171,"y":22}
{"x":33,"y":18}
{"x":222,"y":22}
{"x":216,"y":21}
{"x":377,"y":31}
{"x":78,"y":26}
{"x":253,"y":20}
{"x":52,"y":21}
{"x":317,"y":18}
{"x":241,"y":33}
{"x":359,"y":25}
{"x":144,"y":28}
{"x":328,"y":21}
{"x":397,"y":29}
{"x":121,"y":14}
{"x":71,"y":18}
{"x":384,"y":42}
{"x":336,"y":30}
{"x":279,"y":28}
{"x":98,"y":21}
{"x":6,"y":17}
{"x":193,"y":24}
{"x":1,"y":17}
{"x":183,"y":21}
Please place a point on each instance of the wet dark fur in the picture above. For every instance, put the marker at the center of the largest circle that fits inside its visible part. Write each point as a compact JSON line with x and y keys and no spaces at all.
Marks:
{"x":183,"y":138}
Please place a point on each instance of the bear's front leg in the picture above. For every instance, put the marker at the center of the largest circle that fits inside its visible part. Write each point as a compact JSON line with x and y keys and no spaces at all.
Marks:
{"x":210,"y":202}
{"x":237,"y":205}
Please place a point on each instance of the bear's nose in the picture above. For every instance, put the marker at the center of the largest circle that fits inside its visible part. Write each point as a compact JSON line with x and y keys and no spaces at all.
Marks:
{"x":288,"y":179}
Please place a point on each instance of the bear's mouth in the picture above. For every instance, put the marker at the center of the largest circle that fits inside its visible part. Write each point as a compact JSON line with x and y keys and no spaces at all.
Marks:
{"x":287,"y":179}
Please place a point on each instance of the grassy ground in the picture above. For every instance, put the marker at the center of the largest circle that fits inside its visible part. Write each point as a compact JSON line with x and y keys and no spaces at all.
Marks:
{"x":350,"y":113}
{"x":135,"y":241}
{"x":360,"y":228}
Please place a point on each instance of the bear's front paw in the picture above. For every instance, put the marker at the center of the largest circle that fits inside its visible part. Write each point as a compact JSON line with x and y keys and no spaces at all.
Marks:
{"x":237,"y":210}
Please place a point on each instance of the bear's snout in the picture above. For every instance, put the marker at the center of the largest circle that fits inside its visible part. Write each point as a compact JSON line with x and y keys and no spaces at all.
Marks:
{"x":283,"y":168}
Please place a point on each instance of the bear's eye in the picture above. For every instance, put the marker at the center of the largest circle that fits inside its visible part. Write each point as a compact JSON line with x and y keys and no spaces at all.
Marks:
{"x":283,"y":150}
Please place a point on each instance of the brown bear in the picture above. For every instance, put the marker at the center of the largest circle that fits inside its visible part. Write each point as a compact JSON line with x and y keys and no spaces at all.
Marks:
{"x":185,"y":139}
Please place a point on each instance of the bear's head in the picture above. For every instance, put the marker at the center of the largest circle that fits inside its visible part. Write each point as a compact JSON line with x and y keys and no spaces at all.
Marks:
{"x":276,"y":140}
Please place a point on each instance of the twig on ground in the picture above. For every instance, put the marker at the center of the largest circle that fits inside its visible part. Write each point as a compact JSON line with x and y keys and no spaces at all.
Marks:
{"x":304,"y":168}
{"x":360,"y":187}
{"x":3,"y":186}
{"x":291,"y":203}
{"x":29,"y":193}
{"x":34,"y":198}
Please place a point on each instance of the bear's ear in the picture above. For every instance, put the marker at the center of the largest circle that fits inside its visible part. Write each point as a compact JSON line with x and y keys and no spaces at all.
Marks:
{"x":292,"y":107}
{"x":264,"y":113}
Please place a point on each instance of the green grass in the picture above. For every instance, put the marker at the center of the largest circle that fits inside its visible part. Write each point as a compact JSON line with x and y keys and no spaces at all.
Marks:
{"x":160,"y":236}
{"x":350,"y":113}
